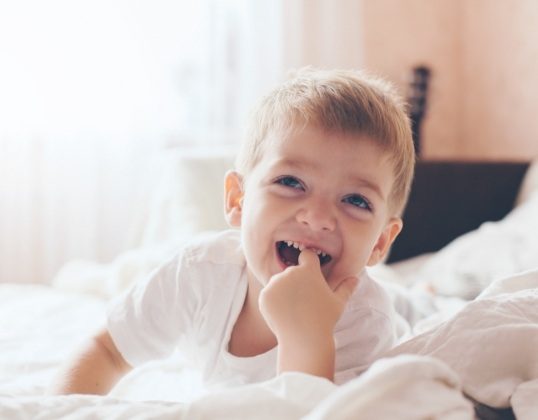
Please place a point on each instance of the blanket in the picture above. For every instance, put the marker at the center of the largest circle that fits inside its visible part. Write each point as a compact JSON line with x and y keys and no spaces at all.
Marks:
{"x":485,"y":353}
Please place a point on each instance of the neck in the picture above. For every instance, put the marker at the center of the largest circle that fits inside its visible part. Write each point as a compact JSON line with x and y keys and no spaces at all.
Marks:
{"x":251,"y":335}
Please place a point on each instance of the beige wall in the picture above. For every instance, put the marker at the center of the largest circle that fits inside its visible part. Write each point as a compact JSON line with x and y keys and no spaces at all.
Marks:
{"x":319,"y":34}
{"x":483,"y":54}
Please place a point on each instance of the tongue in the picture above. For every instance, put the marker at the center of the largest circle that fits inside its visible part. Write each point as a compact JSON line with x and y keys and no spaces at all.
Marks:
{"x":290,"y":255}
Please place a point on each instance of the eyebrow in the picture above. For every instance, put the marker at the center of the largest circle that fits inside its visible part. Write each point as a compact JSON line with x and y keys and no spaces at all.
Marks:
{"x":355,"y":179}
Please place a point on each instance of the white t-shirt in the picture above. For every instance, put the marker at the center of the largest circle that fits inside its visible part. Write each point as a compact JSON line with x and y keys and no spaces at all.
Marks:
{"x":192,"y":303}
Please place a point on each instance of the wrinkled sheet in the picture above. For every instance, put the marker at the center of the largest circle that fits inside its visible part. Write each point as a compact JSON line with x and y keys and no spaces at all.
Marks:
{"x":491,"y":344}
{"x":487,"y":350}
{"x":393,"y":388}
{"x":39,"y":328}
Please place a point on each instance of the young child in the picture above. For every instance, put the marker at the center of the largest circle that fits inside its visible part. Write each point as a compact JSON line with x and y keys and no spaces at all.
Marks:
{"x":319,"y":185}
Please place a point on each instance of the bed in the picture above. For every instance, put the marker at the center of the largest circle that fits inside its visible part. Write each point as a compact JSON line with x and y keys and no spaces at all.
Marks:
{"x":463,"y":276}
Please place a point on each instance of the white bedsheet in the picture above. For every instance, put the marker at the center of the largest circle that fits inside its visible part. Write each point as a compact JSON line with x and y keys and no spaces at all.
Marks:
{"x":488,"y":350}
{"x":492,"y":344}
{"x":39,"y":328}
{"x":407,"y":387}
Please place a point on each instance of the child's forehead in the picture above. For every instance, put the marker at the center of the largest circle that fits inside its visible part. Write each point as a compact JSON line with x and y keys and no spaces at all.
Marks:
{"x":286,"y":137}
{"x":295,"y":141}
{"x":310,"y":145}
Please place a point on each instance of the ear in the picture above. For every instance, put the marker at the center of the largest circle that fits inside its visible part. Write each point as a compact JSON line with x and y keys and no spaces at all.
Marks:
{"x":385,"y":240}
{"x":233,"y":198}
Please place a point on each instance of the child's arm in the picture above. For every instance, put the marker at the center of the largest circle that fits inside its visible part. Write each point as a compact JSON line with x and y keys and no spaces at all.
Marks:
{"x":302,"y":310}
{"x":94,"y":370}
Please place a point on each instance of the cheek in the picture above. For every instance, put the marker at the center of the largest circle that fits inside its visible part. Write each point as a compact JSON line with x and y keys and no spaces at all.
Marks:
{"x":354,"y":263}
{"x":358,"y":248}
{"x":256,"y":232}
{"x":262,"y":210}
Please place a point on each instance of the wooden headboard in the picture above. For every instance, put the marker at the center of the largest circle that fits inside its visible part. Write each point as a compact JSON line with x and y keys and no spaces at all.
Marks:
{"x":450,"y":198}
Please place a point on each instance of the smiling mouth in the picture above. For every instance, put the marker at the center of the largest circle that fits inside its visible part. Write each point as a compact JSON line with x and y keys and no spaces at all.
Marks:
{"x":289,"y":252}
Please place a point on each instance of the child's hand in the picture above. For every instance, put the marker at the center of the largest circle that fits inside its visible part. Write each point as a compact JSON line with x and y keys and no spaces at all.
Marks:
{"x":302,"y":310}
{"x":298,"y":304}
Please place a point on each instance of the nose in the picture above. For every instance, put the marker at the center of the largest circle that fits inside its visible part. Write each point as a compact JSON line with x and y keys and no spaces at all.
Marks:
{"x":317,"y":214}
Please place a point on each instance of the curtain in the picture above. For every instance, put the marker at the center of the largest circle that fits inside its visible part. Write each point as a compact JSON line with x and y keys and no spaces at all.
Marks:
{"x":92,"y":92}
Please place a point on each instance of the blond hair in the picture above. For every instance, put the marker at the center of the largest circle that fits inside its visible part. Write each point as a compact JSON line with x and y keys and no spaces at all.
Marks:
{"x":337,"y":100}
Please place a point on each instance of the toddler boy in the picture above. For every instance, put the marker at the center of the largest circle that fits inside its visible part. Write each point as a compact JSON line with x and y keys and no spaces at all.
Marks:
{"x":319,"y":185}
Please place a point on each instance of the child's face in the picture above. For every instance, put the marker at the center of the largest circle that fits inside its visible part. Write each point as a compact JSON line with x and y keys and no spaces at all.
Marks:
{"x":321,"y":190}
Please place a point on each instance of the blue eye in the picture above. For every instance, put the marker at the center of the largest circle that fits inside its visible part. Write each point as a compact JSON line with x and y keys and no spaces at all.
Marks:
{"x":290,"y":181}
{"x":358,"y":201}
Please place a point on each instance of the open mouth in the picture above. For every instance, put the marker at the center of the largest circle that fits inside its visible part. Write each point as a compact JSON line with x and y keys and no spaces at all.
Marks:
{"x":289,"y":252}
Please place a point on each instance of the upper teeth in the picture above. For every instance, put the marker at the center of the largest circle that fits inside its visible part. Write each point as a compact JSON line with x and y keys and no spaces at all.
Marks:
{"x":301,"y":247}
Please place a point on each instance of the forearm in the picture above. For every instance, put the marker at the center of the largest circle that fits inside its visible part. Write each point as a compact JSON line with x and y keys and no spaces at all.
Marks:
{"x":315,"y":357}
{"x":94,"y":370}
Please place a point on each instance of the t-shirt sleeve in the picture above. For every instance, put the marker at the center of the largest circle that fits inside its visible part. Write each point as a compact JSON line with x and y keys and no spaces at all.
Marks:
{"x":147,"y":321}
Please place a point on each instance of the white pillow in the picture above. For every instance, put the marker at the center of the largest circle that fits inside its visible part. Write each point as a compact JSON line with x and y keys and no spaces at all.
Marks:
{"x":188,"y":198}
{"x":497,"y":249}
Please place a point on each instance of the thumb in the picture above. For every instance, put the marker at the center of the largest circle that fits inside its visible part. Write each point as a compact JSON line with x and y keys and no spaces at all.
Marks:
{"x":346,"y":288}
